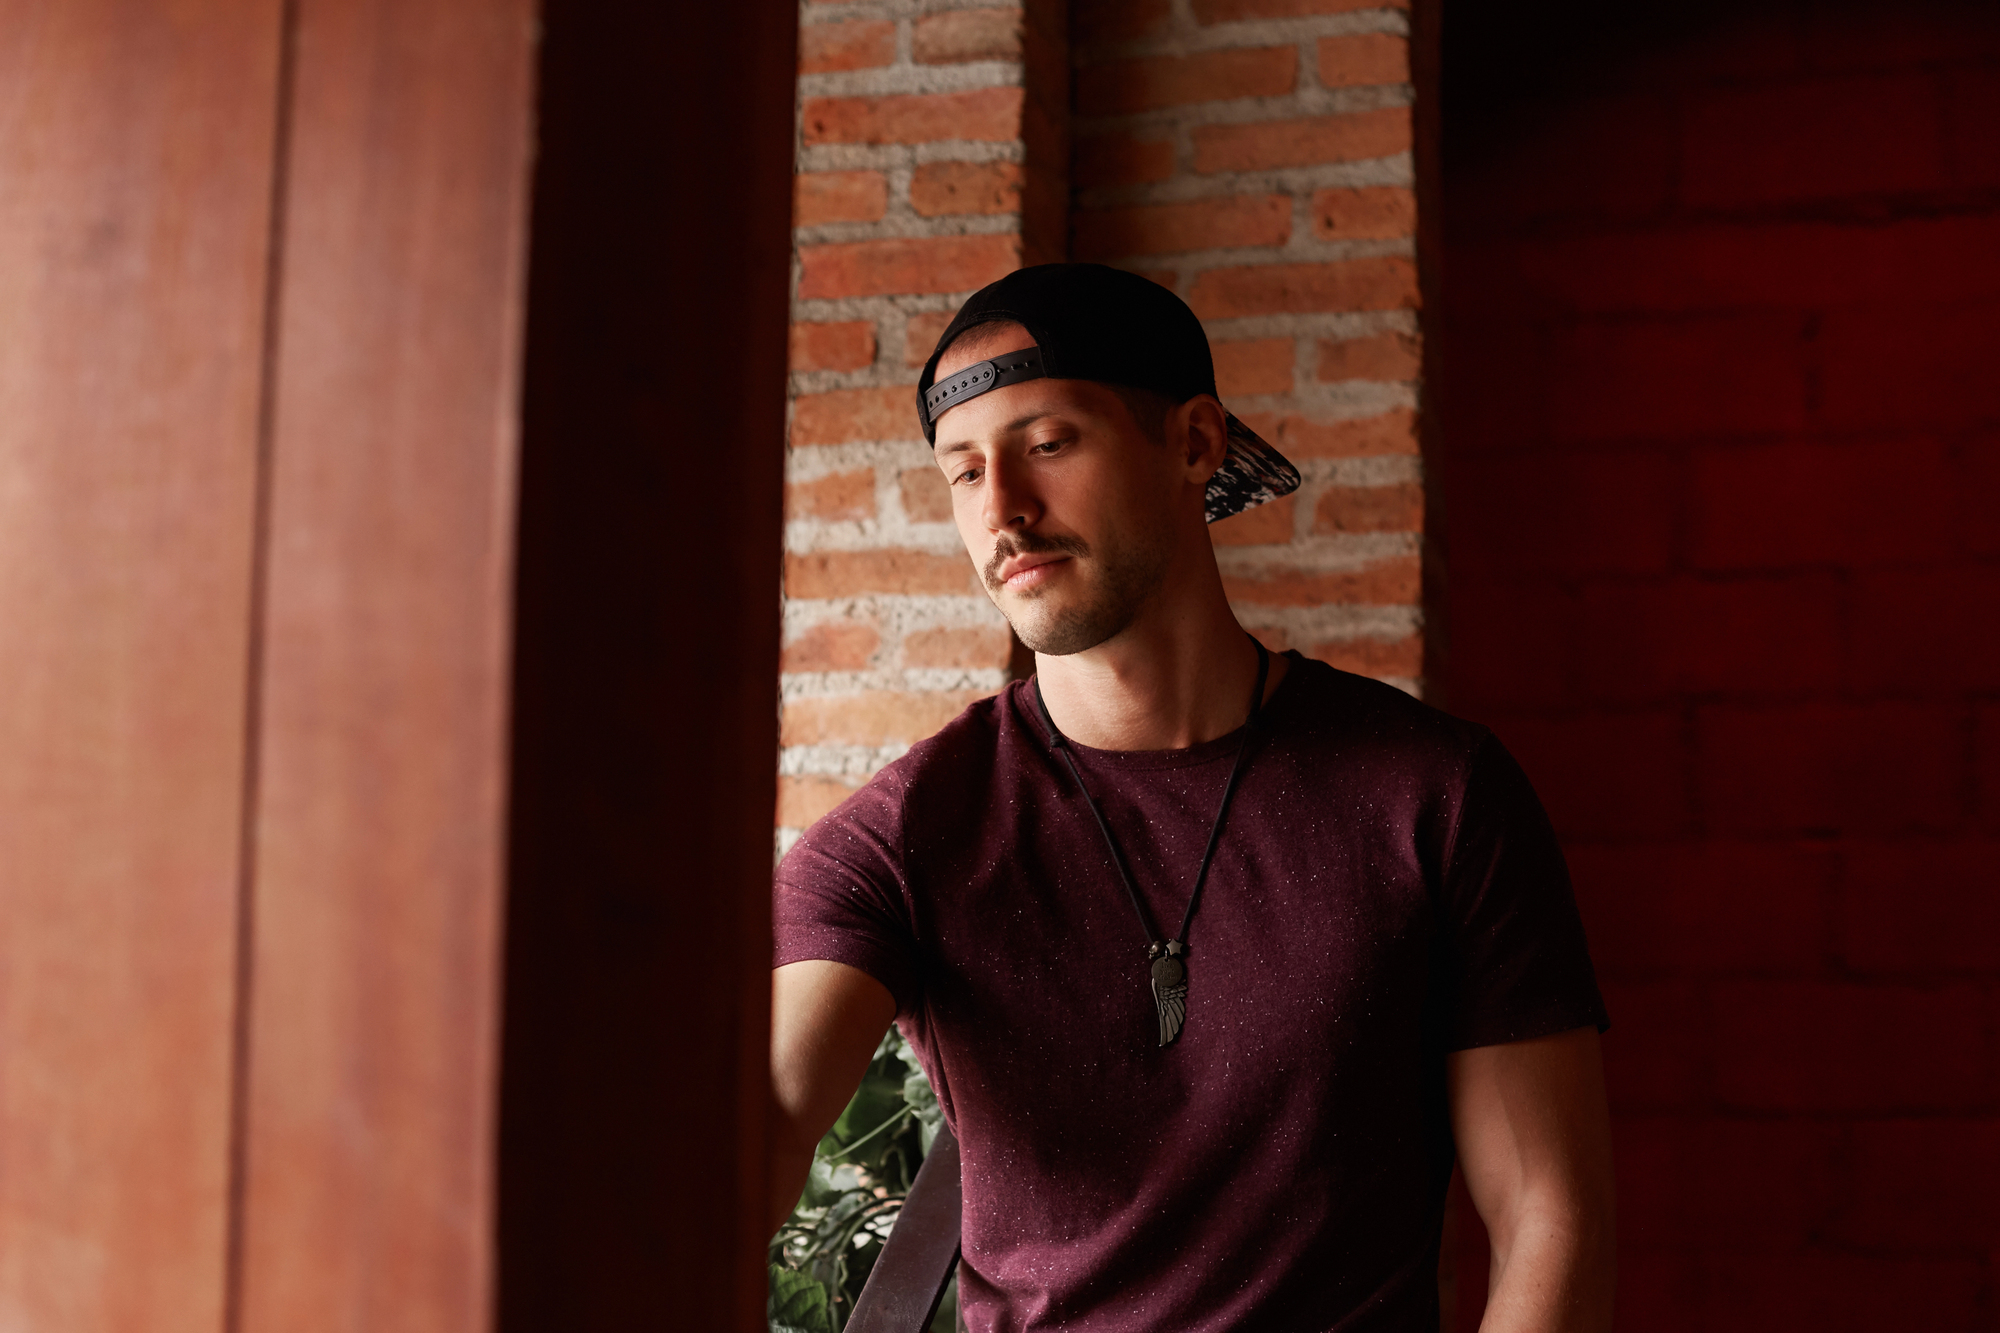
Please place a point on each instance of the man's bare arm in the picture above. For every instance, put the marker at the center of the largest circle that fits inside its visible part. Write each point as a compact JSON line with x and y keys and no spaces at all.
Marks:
{"x":826,"y":1020}
{"x":1534,"y":1141}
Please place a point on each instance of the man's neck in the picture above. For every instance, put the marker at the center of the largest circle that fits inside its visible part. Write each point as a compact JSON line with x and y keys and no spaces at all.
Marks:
{"x":1179,"y":675}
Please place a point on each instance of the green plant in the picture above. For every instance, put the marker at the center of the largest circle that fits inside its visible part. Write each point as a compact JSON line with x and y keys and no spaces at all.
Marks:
{"x":860,"y":1176}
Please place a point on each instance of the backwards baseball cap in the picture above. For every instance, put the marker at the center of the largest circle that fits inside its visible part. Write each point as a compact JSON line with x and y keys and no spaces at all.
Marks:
{"x":1090,"y":322}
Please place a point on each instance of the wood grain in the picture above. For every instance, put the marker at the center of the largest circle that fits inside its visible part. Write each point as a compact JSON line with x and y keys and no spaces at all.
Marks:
{"x":135,"y":161}
{"x":378,"y":838}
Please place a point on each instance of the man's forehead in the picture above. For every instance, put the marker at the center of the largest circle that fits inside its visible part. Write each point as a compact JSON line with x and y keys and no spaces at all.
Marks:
{"x":982,"y":342}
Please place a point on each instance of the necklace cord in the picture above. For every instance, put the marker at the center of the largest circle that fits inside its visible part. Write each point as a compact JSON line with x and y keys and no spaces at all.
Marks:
{"x":1060,"y":744}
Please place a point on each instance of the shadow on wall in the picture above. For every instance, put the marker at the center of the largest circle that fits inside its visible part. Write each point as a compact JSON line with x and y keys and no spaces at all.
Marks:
{"x":1722,"y":292}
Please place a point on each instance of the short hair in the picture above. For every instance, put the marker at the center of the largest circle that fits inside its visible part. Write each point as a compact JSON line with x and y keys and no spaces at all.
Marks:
{"x":1149,"y":409}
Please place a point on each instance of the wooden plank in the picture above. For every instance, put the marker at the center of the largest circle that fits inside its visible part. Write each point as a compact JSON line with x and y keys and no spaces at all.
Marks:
{"x":135,"y":179}
{"x":378,"y":840}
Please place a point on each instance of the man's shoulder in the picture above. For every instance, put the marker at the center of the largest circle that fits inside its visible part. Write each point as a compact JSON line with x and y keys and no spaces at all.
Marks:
{"x":1341,"y":708}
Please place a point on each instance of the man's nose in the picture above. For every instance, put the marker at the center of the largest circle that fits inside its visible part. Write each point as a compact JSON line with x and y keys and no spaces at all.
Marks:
{"x":1009,"y":501}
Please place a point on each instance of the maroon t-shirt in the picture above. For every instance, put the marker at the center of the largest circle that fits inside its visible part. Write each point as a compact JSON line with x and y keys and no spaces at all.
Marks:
{"x":1386,"y":889}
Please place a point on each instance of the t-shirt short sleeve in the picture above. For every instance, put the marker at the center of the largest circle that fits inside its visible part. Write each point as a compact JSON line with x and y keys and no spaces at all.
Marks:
{"x":1518,"y":966}
{"x":840,"y":894}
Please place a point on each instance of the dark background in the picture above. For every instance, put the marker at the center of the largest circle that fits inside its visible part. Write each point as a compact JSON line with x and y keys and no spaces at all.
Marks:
{"x":1722,"y":472}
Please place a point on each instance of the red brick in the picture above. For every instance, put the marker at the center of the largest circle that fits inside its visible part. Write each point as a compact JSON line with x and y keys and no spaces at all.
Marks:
{"x":1579,"y":512}
{"x":1386,"y":583}
{"x":926,"y":496}
{"x":1656,"y":1055}
{"x":835,"y":645}
{"x":874,"y":717}
{"x":1512,"y":644}
{"x":1692,"y":636}
{"x":1928,"y":630}
{"x":803,"y":802}
{"x":966,"y":34}
{"x":846,"y":415}
{"x":848,"y":345}
{"x":1833,"y":768}
{"x":1302,"y":143}
{"x":1498,"y":400}
{"x":1372,"y":213}
{"x":839,"y":495}
{"x":1705,"y":907}
{"x":1840,"y":1290}
{"x":1809,"y":1047}
{"x":1699,"y":375}
{"x":1397,"y":508}
{"x":1384,"y":659}
{"x":1843,"y":40}
{"x":1802,"y":503}
{"x":1986,"y":730}
{"x":1908,"y":367}
{"x":1355,"y":437}
{"x":971,"y":648}
{"x":921,"y":335}
{"x":1939,"y":260}
{"x":1253,"y":365}
{"x":848,"y":573}
{"x":1200,"y":224}
{"x":1921,"y":1185}
{"x":862,"y":44}
{"x":1824,"y":139}
{"x":1976,"y":483}
{"x":1972,"y":108}
{"x":1386,"y":356}
{"x":1681,"y":1181}
{"x":1121,"y":159}
{"x":1093,"y":21}
{"x":1367,"y":59}
{"x":1269,"y":524}
{"x":905,"y":265}
{"x":1385,"y":282}
{"x":1232,"y":11}
{"x":1124,"y":86}
{"x":940,"y":188}
{"x":988,"y":115}
{"x":1606,"y":775}
{"x":838,"y":196}
{"x":1629,"y":141}
{"x":1920,"y":906}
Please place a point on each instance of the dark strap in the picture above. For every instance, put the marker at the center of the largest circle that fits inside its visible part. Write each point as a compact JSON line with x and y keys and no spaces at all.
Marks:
{"x":908,"y":1281}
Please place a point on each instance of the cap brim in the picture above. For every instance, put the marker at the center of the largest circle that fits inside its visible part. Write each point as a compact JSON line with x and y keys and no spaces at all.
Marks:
{"x":1252,"y":474}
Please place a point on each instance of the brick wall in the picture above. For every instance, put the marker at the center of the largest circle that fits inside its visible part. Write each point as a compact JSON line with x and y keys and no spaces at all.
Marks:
{"x":1256,"y":157}
{"x":932,"y":160}
{"x":1724,"y":469}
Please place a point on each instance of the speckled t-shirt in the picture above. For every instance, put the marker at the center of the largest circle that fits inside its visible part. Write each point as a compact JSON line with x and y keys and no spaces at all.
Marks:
{"x":1387,"y":889}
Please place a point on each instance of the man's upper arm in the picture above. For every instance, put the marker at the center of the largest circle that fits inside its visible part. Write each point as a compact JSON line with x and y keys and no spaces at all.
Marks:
{"x":1534,"y":1142}
{"x":826,"y":1020}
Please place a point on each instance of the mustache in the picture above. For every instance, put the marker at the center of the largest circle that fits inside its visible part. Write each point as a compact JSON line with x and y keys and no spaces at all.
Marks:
{"x":1011,"y":544}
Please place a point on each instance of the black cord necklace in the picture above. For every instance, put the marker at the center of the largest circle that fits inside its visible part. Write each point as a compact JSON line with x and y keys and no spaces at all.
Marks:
{"x":1165,"y":957}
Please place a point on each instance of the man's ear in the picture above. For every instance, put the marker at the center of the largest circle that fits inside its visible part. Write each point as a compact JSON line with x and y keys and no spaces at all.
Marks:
{"x":1201,"y":429}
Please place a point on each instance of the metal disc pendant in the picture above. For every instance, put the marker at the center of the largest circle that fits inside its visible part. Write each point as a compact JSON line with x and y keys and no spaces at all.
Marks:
{"x":1170,"y":996}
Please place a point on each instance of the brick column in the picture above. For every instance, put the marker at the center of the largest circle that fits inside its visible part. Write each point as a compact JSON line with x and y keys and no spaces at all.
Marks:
{"x":1255,"y":156}
{"x":932,"y":159}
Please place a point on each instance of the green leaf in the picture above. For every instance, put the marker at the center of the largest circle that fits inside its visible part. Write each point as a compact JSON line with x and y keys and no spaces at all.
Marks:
{"x":798,"y":1304}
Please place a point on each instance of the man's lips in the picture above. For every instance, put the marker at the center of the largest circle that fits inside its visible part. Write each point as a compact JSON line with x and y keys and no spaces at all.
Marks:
{"x":1017,"y":566}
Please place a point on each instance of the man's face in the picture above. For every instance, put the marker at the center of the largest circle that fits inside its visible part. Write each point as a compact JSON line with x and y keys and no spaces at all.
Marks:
{"x":1070,"y":512}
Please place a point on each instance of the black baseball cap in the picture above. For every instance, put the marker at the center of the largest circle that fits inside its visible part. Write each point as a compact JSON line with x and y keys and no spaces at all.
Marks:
{"x":1090,"y":322}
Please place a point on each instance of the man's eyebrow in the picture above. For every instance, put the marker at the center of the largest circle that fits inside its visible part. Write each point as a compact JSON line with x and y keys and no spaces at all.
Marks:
{"x":1018,"y":423}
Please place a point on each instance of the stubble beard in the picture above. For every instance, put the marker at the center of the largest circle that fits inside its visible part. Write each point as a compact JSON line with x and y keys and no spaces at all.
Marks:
{"x":1126,"y":575}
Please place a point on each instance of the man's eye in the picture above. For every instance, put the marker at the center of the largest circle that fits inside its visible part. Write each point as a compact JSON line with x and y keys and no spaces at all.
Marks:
{"x":967,"y":477}
{"x":1047,"y":446}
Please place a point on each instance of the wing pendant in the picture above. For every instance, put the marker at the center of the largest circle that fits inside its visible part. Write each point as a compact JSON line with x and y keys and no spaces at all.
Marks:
{"x":1170,"y":996}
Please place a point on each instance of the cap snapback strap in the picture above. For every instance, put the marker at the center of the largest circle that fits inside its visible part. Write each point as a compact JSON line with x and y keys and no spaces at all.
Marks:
{"x":977,"y":379}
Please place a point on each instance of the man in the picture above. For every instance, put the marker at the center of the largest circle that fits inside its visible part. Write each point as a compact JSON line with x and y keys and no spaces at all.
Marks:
{"x":1213,"y":956}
